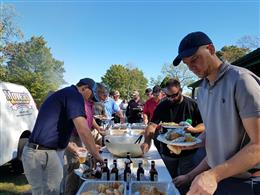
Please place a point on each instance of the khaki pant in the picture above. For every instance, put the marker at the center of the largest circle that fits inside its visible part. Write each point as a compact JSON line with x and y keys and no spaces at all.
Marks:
{"x":73,"y":182}
{"x":43,"y":170}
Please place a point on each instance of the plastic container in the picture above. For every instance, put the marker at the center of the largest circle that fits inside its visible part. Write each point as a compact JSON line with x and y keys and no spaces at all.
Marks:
{"x":166,"y":188}
{"x":96,"y":186}
{"x":120,"y":145}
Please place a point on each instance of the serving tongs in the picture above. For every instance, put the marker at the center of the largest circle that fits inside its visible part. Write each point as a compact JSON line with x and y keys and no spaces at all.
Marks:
{"x":139,"y":139}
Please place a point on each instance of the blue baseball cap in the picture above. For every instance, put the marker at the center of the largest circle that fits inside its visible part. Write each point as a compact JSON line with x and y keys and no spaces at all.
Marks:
{"x":92,"y":85}
{"x":190,"y":44}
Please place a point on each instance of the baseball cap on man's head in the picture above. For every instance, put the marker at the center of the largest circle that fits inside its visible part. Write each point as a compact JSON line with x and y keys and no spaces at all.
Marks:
{"x":135,"y":93}
{"x":91,"y":85}
{"x":116,"y":93}
{"x":87,"y":81}
{"x":190,"y":44}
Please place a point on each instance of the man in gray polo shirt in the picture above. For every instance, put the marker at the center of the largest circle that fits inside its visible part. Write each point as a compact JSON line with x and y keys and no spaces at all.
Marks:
{"x":229,"y":102}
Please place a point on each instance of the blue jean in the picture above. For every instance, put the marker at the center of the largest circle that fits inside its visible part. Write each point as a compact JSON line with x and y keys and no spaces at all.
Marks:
{"x":235,"y":186}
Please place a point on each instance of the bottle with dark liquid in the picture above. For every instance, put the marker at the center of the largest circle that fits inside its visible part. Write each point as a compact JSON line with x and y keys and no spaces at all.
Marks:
{"x":153,"y":172}
{"x":105,"y":171}
{"x":127,"y":171}
{"x":140,"y":172}
{"x":114,"y":172}
{"x":98,"y":172}
{"x":128,"y":156}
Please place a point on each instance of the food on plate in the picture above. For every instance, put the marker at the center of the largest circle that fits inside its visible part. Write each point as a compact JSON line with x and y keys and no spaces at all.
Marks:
{"x":171,"y":135}
{"x":189,"y":138}
{"x":150,"y":190}
{"x":169,"y":124}
{"x":101,"y":117}
{"x":174,"y":149}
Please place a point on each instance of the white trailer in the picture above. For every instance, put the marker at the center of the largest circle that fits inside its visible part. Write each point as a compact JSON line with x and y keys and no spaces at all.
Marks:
{"x":18,"y":113}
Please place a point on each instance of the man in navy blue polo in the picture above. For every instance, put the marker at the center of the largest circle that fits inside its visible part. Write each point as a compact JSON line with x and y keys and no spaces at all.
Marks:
{"x":58,"y":115}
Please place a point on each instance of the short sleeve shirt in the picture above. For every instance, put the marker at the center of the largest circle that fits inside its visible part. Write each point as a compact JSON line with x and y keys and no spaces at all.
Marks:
{"x":167,"y":111}
{"x":149,"y":107}
{"x":234,"y":95}
{"x":134,"y":111}
{"x":111,"y":107}
{"x":54,"y":122}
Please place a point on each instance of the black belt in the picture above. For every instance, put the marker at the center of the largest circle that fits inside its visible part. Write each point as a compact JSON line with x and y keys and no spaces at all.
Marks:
{"x":253,"y":170}
{"x":39,"y":147}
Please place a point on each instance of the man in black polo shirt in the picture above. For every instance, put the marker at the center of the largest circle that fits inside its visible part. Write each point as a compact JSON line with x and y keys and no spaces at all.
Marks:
{"x":58,"y":115}
{"x":175,"y":108}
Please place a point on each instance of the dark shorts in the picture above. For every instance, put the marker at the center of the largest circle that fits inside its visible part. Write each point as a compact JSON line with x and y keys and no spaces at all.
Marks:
{"x":235,"y":186}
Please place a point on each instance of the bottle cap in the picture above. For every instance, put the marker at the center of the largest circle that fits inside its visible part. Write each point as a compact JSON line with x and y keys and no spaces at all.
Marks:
{"x":189,"y":121}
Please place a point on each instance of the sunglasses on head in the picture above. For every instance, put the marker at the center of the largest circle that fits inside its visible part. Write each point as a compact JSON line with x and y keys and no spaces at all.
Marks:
{"x":173,"y":95}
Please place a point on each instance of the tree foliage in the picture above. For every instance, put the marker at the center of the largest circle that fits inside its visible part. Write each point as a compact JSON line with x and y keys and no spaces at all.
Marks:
{"x":181,"y":73}
{"x":125,"y":80}
{"x":232,"y":53}
{"x":31,"y":64}
{"x":9,"y":30}
{"x":249,"y":42}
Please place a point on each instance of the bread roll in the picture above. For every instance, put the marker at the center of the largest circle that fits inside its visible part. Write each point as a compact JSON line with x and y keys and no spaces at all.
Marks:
{"x":174,"y":149}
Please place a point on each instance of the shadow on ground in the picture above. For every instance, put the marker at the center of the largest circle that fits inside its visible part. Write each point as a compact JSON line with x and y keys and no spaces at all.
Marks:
{"x":11,"y":182}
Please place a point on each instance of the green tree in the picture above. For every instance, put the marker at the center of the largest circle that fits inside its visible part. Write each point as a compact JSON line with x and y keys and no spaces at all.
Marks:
{"x":9,"y":30}
{"x":156,"y":81}
{"x":31,"y":64}
{"x":181,"y":72}
{"x":232,"y":53}
{"x":125,"y":80}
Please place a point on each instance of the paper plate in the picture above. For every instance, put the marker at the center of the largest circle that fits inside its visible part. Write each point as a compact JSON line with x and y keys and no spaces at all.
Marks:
{"x":180,"y":141}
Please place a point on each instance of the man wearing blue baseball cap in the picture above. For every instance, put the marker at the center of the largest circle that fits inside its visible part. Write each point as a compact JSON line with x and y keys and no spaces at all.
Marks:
{"x":228,"y":100}
{"x":58,"y":115}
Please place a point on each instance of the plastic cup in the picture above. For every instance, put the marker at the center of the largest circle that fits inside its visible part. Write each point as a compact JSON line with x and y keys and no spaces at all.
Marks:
{"x":82,"y":156}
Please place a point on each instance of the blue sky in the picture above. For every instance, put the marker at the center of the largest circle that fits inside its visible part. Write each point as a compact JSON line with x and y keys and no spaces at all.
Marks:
{"x":90,"y":36}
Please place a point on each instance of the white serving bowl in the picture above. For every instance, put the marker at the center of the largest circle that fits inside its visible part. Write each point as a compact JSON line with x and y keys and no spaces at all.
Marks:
{"x":120,"y":145}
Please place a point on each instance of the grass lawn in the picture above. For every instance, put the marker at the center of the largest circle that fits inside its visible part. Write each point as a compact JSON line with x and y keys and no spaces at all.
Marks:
{"x":12,"y":183}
